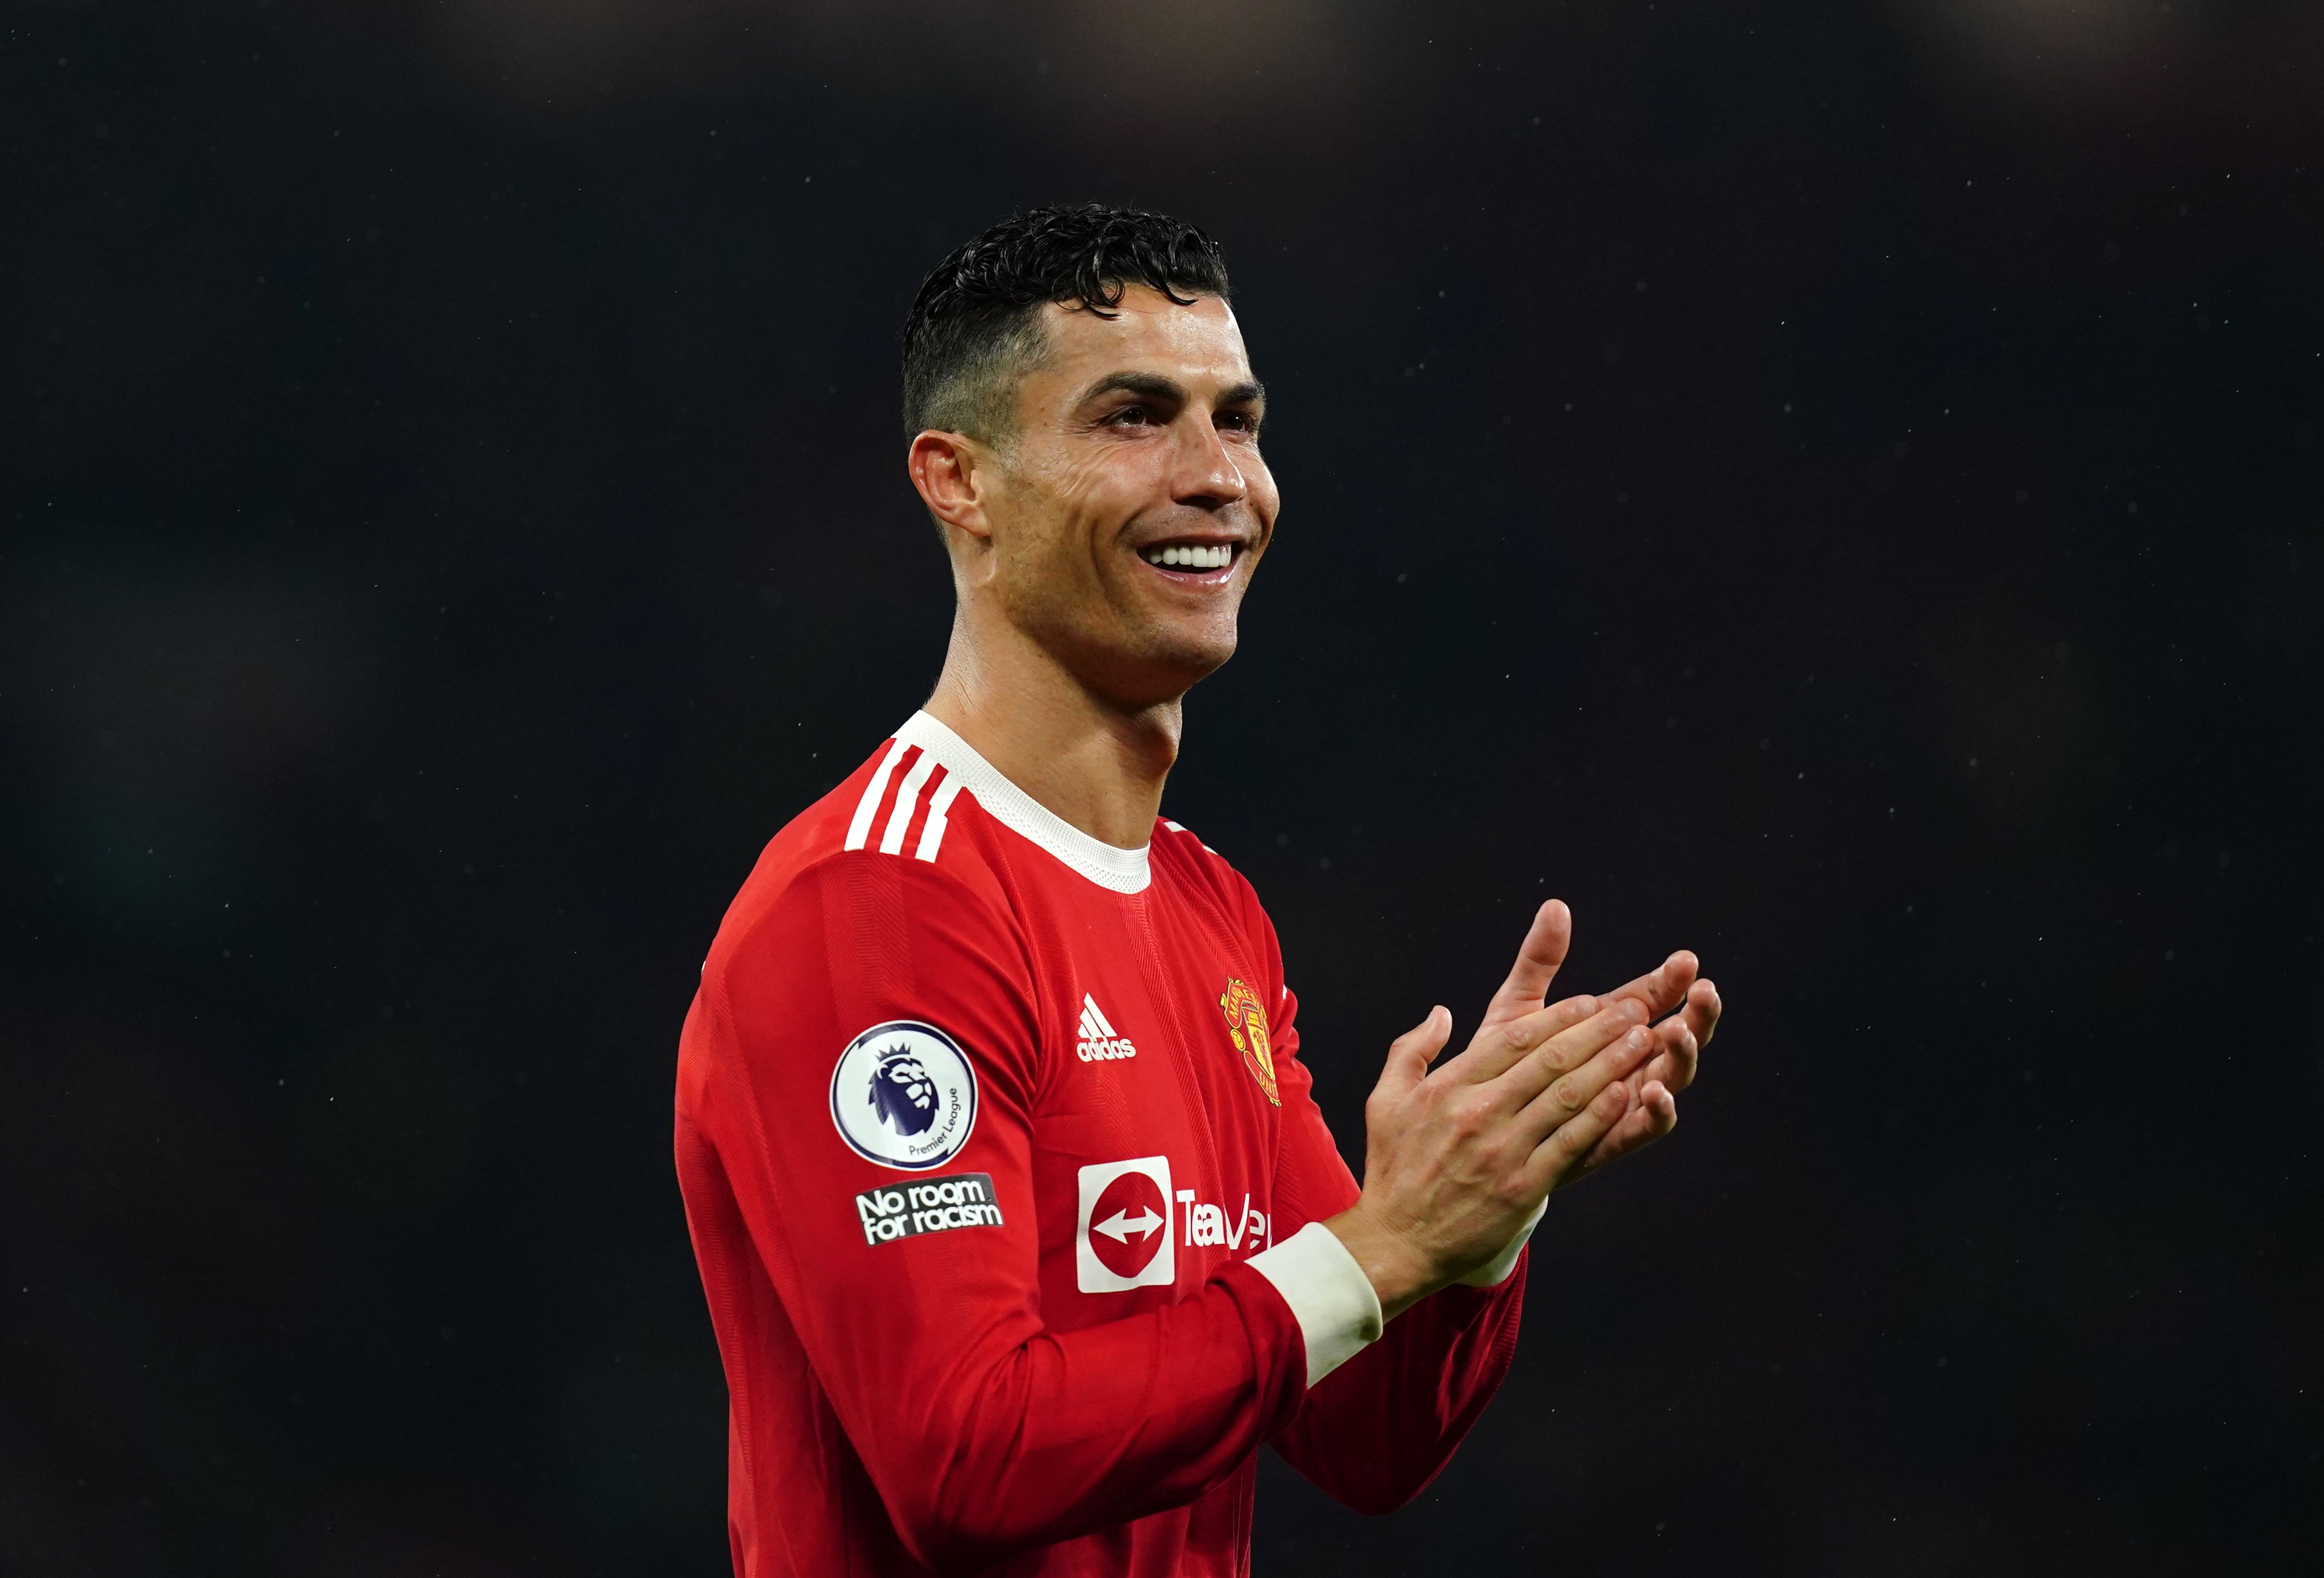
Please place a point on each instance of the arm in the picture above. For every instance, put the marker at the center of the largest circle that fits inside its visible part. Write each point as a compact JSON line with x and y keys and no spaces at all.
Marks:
{"x":1374,"y":1431}
{"x":1461,"y":1162}
{"x":984,"y":1432}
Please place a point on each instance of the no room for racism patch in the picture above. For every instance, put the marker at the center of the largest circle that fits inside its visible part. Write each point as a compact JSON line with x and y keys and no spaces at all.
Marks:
{"x":936,"y":1205}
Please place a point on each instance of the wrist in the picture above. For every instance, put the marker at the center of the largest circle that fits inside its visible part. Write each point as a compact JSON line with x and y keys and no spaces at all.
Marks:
{"x":1400,"y":1275}
{"x":1497,"y":1271}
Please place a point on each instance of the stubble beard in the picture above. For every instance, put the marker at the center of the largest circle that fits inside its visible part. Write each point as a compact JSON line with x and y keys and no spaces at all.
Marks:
{"x":1109,"y":636}
{"x":1131,"y":657}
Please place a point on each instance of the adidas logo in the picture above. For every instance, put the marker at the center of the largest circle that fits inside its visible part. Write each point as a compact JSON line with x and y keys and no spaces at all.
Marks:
{"x":1099,"y":1043}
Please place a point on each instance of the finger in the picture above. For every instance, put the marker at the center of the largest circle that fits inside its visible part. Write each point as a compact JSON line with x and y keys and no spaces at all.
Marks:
{"x":1410,"y":1054}
{"x":1566,"y":1034}
{"x":1674,"y":1060}
{"x":1555,"y":1159}
{"x":1665,"y":987}
{"x":1498,"y":1049}
{"x":1653,"y":1112}
{"x":1702,"y":1011}
{"x":1661,"y":1103}
{"x":1538,"y":959}
{"x":1569,"y":1094}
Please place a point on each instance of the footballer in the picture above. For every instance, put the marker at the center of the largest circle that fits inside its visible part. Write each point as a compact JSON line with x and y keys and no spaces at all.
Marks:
{"x":1021,"y":1228}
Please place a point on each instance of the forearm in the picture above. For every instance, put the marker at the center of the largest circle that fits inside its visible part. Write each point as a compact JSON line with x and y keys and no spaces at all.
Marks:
{"x":1062,"y":1433}
{"x":1380,"y":1429}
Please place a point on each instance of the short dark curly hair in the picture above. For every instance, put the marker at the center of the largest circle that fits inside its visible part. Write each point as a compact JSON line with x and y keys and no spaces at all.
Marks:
{"x":975,"y":326}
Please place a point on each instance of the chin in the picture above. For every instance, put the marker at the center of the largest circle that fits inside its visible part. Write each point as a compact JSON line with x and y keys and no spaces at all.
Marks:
{"x":1152,"y":667}
{"x":1193,"y":646}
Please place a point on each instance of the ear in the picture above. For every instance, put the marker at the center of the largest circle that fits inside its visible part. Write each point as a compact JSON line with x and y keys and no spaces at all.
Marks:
{"x":948,"y":471}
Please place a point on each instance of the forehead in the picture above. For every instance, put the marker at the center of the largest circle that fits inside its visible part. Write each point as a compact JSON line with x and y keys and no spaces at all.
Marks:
{"x":1197,"y":344}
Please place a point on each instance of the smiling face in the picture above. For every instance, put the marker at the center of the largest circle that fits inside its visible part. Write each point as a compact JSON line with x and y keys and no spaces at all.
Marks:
{"x":1118,"y":525}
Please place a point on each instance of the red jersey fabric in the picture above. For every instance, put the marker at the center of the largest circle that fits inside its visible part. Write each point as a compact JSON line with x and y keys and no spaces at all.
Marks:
{"x":997,"y":1152}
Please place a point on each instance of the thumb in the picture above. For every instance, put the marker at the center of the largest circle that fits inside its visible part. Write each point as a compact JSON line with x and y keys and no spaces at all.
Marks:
{"x":1410,"y":1054}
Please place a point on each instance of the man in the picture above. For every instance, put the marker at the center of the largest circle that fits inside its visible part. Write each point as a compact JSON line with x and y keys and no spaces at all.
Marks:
{"x":1020,"y":1229}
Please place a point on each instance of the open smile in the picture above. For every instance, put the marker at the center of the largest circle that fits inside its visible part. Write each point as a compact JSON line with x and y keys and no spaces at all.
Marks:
{"x":1193,"y":562}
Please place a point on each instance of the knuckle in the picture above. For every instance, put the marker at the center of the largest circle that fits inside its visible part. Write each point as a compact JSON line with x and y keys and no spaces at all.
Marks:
{"x":1567,"y":1094}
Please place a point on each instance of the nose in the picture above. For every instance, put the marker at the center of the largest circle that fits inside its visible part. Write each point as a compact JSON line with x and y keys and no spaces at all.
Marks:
{"x":1205,"y":474}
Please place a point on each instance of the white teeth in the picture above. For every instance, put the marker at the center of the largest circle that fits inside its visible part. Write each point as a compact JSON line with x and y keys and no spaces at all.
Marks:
{"x":1216,"y":556}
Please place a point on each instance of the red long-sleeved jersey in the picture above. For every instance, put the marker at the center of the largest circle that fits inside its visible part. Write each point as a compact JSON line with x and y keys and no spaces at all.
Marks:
{"x":1001,"y":1167}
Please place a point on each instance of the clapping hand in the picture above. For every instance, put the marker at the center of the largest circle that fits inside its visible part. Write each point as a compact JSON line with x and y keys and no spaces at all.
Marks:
{"x":1460,"y":1156}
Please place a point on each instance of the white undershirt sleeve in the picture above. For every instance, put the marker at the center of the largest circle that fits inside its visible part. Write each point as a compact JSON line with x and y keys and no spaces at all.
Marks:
{"x":1329,"y":1294}
{"x":1495,"y":1271}
{"x":1332,"y":1299}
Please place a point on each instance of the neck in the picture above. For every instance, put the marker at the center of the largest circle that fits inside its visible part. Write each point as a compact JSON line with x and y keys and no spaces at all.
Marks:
{"x":1099,"y":765}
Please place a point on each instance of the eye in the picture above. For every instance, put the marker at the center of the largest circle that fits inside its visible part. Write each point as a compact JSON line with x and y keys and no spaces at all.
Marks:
{"x":1130,"y":416}
{"x":1241,"y":421}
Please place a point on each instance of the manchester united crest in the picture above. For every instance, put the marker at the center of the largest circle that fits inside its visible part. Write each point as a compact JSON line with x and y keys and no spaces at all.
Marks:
{"x":1247,"y":1026}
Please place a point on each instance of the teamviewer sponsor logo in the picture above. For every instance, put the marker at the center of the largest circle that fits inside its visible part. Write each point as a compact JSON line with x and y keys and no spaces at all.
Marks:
{"x":1123,"y":1239}
{"x":936,"y":1205}
{"x":1098,"y":1043}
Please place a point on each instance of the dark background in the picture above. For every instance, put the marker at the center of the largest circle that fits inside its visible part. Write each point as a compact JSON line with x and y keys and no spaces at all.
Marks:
{"x":1833,"y":485}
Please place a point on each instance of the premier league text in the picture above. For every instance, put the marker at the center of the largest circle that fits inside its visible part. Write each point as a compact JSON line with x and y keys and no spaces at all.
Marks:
{"x":936,"y":1205}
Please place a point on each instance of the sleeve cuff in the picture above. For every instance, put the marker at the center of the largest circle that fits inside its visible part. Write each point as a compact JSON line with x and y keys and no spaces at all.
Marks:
{"x":1495,"y":1271}
{"x":1329,"y":1296}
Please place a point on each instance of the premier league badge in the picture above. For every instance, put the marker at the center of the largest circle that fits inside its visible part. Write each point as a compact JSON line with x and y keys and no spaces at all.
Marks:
{"x":904,"y":1096}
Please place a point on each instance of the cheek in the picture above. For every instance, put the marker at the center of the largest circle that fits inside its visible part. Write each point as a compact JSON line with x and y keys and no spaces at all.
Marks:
{"x":1264,"y":498}
{"x":1047,"y":512}
{"x":1108,"y":482}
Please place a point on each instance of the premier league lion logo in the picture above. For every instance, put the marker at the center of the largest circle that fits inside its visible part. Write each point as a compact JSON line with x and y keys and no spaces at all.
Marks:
{"x":904,"y":1095}
{"x":903,"y":1092}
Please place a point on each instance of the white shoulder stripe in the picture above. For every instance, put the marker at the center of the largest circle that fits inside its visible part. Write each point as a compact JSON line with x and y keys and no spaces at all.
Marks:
{"x":860,"y":829}
{"x":907,"y":800}
{"x":1181,"y":827}
{"x":933,"y":831}
{"x":1122,"y":871}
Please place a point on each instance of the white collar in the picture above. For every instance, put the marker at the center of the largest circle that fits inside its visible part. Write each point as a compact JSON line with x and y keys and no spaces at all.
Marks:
{"x":1125,"y":871}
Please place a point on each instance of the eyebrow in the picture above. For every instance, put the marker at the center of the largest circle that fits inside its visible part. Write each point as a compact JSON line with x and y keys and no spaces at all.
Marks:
{"x":1251,"y":392}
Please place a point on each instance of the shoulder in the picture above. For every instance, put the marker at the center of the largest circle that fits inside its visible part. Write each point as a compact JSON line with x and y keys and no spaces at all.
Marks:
{"x":1180,"y":851}
{"x":900,"y":803}
{"x":831,"y":934}
{"x":882,"y":855}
